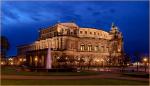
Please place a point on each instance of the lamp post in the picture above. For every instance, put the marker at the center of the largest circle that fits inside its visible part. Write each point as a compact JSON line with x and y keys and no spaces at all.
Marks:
{"x":20,"y":61}
{"x":145,"y":62}
{"x":36,"y":60}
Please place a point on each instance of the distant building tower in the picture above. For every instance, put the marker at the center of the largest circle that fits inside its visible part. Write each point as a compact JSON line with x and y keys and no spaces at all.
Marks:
{"x":116,"y":44}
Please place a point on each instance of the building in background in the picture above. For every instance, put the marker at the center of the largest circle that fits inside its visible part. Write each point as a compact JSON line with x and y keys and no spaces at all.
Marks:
{"x":74,"y":46}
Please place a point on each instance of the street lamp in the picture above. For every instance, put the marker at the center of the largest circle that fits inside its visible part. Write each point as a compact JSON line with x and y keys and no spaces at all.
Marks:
{"x":36,"y":60}
{"x":145,"y":61}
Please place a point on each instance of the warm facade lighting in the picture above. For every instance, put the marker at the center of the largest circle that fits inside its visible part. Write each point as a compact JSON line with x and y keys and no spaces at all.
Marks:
{"x":10,"y":59}
{"x":102,"y":60}
{"x":145,"y":59}
{"x":24,"y":60}
{"x":97,"y":60}
{"x":58,"y":57}
{"x":20,"y":60}
{"x":66,"y":58}
{"x":11,"y":63}
{"x":2,"y":63}
{"x":35,"y":59}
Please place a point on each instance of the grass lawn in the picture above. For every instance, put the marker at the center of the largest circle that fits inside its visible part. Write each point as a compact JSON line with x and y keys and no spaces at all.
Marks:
{"x":137,"y":74}
{"x":74,"y":82}
{"x":11,"y":71}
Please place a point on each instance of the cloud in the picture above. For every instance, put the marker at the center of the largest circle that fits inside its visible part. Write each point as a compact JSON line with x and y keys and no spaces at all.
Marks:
{"x":112,"y":10}
{"x":10,"y":14}
{"x":98,"y":14}
{"x":43,"y":11}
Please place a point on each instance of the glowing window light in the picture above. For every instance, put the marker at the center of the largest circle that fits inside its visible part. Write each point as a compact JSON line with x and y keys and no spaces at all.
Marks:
{"x":24,"y":60}
{"x":20,"y":59}
{"x":2,"y":63}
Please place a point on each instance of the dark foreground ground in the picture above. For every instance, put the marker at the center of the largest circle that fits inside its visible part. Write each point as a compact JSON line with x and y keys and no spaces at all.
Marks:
{"x":9,"y":76}
{"x":74,"y":82}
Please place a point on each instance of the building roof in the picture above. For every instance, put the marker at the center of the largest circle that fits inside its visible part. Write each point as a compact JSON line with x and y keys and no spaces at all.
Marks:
{"x":95,"y":29}
{"x":70,"y":24}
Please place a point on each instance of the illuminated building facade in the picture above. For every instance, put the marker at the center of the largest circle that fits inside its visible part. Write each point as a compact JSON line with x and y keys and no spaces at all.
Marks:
{"x":74,"y":46}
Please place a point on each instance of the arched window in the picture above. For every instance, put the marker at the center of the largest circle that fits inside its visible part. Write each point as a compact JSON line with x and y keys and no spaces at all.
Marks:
{"x":96,"y":48}
{"x":82,"y":47}
{"x":85,"y":32}
{"x":102,"y":48}
{"x":89,"y":47}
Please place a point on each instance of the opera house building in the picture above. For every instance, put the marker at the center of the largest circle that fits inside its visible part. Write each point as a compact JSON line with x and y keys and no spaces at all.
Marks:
{"x":71,"y":46}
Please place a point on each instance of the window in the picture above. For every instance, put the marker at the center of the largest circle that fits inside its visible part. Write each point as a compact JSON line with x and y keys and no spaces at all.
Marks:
{"x":96,"y":48}
{"x":85,"y":32}
{"x":98,"y":33}
{"x":55,"y":33}
{"x":81,"y":32}
{"x":71,"y":33}
{"x":94,"y":33}
{"x":90,"y":32}
{"x":89,"y":47}
{"x":102,"y":48}
{"x":82,"y":47}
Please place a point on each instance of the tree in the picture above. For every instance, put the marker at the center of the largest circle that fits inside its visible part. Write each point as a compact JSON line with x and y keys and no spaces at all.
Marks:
{"x":63,"y":61}
{"x":4,"y":46}
{"x":125,"y":59}
{"x":71,"y":61}
{"x":136,"y":54}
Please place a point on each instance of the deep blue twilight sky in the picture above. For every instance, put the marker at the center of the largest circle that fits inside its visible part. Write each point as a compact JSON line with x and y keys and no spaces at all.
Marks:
{"x":22,"y":20}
